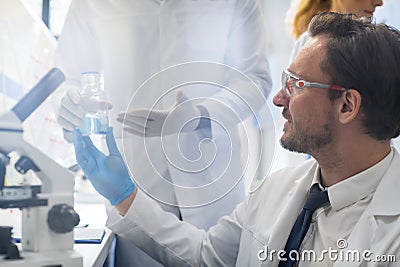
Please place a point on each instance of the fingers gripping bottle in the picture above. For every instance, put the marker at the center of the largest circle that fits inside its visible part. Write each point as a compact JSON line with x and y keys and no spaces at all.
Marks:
{"x":95,"y":102}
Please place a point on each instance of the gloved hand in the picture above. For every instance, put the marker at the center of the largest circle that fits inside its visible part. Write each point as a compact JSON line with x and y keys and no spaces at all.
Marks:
{"x":72,"y":110}
{"x":183,"y":117}
{"x":108,"y":174}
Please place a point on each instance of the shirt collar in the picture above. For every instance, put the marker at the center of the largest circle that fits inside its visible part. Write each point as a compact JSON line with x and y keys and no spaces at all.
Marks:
{"x":357,"y":186}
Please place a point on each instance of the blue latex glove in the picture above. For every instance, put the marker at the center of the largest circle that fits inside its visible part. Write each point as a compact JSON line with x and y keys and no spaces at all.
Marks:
{"x":108,"y":174}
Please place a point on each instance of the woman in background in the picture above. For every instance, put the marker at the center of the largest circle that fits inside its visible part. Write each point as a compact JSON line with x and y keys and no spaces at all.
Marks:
{"x":306,"y":9}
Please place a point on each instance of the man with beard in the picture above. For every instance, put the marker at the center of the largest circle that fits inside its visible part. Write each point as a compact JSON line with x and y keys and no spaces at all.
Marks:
{"x":340,"y":97}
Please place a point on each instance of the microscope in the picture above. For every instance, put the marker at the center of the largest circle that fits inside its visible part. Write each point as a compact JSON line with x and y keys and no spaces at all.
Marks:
{"x":48,"y":217}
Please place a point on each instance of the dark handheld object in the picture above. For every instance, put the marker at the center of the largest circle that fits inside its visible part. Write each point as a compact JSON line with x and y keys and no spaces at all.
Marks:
{"x":38,"y":94}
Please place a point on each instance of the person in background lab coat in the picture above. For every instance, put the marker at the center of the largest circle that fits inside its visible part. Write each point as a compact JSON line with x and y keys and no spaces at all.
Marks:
{"x":305,"y":10}
{"x":131,"y":40}
{"x":343,"y":109}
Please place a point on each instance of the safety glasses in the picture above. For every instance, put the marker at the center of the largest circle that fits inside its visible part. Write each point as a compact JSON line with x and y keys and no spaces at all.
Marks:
{"x":292,"y":84}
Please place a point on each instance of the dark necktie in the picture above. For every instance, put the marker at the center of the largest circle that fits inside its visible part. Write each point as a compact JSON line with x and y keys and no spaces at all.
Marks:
{"x":316,"y":199}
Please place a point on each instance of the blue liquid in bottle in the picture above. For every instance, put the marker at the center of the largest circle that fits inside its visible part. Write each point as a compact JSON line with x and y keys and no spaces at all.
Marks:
{"x":93,"y":124}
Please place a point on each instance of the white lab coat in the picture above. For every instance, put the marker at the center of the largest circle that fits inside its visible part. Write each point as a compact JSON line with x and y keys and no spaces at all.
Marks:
{"x":131,"y":40}
{"x":263,"y":220}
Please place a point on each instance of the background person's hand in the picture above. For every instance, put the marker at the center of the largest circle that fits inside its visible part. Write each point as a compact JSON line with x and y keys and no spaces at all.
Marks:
{"x":72,"y":110}
{"x":183,"y":117}
{"x":108,"y":174}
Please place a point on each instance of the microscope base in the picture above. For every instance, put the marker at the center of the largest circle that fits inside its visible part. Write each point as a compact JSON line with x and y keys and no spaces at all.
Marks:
{"x":52,"y":258}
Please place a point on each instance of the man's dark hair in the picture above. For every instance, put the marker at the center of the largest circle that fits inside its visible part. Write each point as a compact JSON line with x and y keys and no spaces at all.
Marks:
{"x":364,"y":56}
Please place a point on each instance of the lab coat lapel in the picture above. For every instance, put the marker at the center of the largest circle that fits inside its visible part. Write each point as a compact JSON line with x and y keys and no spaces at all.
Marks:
{"x":359,"y":240}
{"x":386,"y":211}
{"x":283,"y":225}
{"x":368,"y":234}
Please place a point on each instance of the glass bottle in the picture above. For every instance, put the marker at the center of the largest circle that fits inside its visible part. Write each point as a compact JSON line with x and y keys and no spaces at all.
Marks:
{"x":96,"y":104}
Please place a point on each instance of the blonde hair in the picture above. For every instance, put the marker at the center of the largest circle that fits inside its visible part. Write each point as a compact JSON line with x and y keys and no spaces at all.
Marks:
{"x":306,"y":10}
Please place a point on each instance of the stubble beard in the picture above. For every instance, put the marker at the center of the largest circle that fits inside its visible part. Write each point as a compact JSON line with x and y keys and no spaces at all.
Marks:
{"x":307,"y":141}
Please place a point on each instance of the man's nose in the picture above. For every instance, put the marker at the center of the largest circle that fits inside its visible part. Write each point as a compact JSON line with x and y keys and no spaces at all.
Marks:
{"x":281,"y":99}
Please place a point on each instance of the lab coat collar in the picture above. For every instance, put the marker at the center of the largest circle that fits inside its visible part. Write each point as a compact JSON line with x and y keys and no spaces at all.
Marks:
{"x":387,"y":198}
{"x":357,"y":187}
{"x":367,"y":233}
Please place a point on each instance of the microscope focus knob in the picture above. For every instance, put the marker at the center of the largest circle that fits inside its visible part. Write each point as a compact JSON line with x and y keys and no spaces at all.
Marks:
{"x":62,"y":218}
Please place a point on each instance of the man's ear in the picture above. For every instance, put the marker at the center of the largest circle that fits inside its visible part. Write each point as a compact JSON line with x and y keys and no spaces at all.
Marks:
{"x":349,"y":106}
